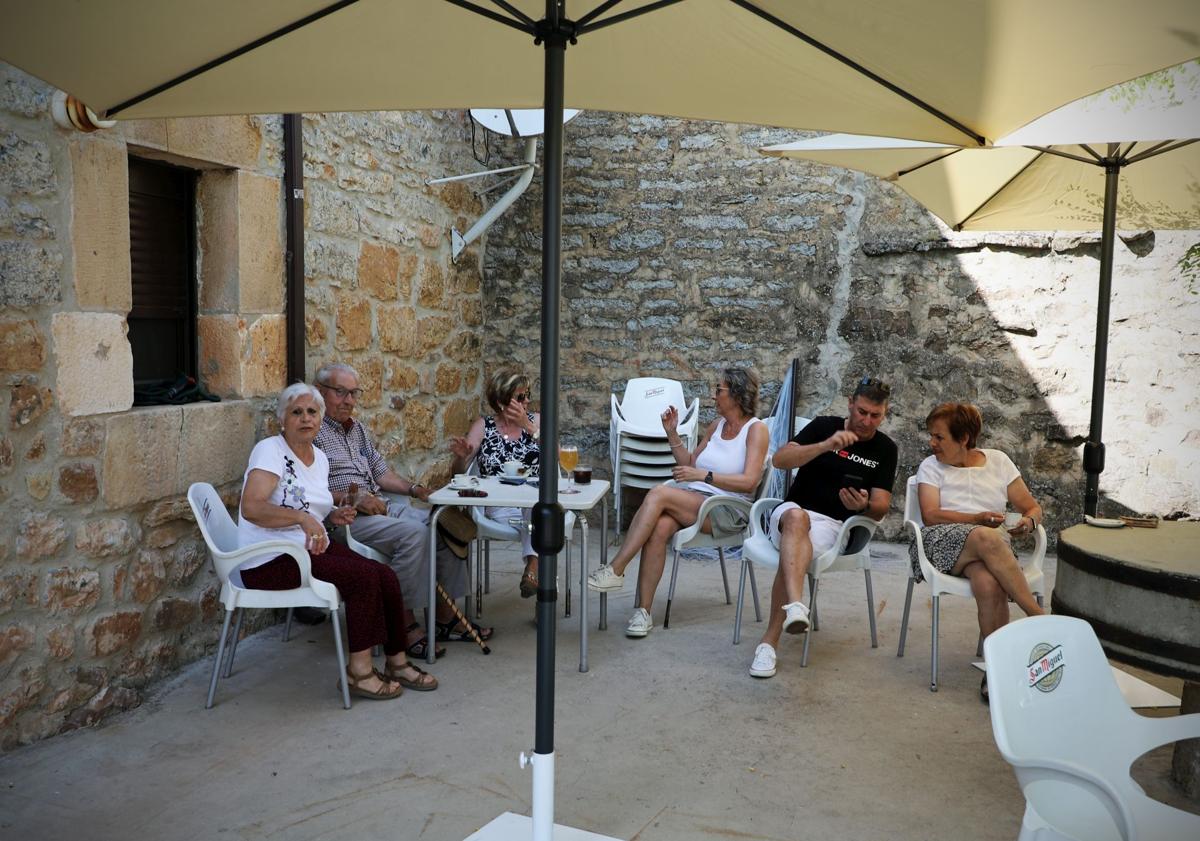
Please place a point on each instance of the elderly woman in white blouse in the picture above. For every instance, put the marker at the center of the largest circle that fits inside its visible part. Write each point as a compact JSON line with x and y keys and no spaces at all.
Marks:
{"x":963,"y":491}
{"x":729,"y":460}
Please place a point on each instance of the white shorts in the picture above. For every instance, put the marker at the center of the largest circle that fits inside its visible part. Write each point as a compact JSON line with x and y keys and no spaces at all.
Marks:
{"x":823,"y":531}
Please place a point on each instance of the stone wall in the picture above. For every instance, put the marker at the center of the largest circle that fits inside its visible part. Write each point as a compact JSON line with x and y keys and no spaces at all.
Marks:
{"x":105,"y":584}
{"x":381,"y":290}
{"x":685,"y":251}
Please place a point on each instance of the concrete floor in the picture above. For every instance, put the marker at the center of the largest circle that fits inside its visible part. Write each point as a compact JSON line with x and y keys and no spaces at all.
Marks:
{"x":665,"y":738}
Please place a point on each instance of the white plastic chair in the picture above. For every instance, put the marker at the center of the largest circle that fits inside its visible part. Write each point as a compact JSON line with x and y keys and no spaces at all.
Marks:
{"x":849,"y":551}
{"x":488,"y":530}
{"x":220,"y":534}
{"x":641,"y":456}
{"x":1059,"y":719}
{"x":941,"y":584}
{"x":693,"y":538}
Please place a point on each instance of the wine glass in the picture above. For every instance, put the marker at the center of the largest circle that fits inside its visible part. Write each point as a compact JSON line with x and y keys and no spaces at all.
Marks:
{"x":568,"y":457}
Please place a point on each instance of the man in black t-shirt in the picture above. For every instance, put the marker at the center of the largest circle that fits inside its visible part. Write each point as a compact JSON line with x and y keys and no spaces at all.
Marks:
{"x":844,"y":467}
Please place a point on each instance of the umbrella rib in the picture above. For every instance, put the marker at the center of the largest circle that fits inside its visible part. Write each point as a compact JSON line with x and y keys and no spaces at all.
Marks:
{"x":520,"y":26}
{"x":624,"y":16}
{"x":1159,"y":150}
{"x":903,"y":172}
{"x":229,"y":56}
{"x":998,"y":190}
{"x":1047,"y":150}
{"x":596,"y":12}
{"x":858,"y":68}
{"x":1091,"y":152}
{"x":515,"y":12}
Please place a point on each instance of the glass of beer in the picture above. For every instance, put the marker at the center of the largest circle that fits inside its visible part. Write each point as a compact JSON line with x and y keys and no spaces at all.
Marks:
{"x":568,"y":457}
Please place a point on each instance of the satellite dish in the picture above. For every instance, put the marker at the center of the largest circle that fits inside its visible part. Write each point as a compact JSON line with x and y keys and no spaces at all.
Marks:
{"x":516,"y":122}
{"x":524,"y":123}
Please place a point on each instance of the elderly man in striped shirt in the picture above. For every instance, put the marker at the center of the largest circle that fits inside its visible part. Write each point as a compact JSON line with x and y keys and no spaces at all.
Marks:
{"x":395,"y":529}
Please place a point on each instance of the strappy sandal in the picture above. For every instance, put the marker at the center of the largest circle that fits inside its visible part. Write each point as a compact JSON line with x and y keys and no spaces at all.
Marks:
{"x":450,"y":632}
{"x":418,"y":650}
{"x":384,"y":694}
{"x":528,"y":585}
{"x":425,"y":682}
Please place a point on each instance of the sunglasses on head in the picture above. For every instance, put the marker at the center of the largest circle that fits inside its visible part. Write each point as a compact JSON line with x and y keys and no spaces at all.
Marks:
{"x":874,"y":383}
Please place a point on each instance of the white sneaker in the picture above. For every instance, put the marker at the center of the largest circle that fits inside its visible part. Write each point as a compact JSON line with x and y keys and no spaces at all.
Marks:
{"x":640,"y":623}
{"x":764,"y":661}
{"x":797,"y":618}
{"x":604,"y":580}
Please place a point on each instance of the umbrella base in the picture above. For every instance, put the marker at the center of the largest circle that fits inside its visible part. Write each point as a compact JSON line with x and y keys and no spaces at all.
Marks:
{"x":511,"y":826}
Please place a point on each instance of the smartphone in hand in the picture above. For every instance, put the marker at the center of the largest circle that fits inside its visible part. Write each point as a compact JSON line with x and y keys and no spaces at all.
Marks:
{"x":853,"y":480}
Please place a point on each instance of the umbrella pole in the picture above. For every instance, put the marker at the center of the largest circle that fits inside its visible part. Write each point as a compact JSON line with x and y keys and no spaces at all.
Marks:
{"x":548,"y":514}
{"x":1093,"y":450}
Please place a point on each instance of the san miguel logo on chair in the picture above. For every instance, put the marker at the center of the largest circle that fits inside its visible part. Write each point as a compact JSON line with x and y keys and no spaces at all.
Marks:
{"x":1046,"y":666}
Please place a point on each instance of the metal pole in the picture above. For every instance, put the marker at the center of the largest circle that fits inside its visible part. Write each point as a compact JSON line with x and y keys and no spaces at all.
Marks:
{"x":1093,"y":450}
{"x":293,"y":201}
{"x":548,"y":514}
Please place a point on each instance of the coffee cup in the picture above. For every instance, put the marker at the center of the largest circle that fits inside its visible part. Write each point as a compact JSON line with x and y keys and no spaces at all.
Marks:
{"x":1012,"y":518}
{"x":513,"y":468}
{"x":461,"y":480}
{"x":582,"y":475}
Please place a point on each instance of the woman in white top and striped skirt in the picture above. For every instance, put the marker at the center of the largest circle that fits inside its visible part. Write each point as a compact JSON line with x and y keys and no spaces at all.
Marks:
{"x":963,"y":491}
{"x":729,"y":460}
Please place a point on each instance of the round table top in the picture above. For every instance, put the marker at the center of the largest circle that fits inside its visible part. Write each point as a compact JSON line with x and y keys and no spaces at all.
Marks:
{"x":1172,"y":548}
{"x":1139,"y":589}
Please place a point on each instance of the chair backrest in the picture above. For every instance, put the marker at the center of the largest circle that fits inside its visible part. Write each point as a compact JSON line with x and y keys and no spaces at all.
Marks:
{"x":912,"y":504}
{"x":646,"y":398}
{"x":1055,"y":708}
{"x":217,"y":527}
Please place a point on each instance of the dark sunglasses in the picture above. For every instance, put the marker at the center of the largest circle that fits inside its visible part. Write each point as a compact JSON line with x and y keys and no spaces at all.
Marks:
{"x":523,"y":397}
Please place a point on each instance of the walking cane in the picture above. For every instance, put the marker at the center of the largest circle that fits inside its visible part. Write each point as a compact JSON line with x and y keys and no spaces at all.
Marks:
{"x":458,"y":613}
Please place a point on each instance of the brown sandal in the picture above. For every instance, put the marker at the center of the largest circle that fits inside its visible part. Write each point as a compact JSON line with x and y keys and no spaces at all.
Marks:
{"x":385,"y":694}
{"x":529,"y":585}
{"x":425,"y":682}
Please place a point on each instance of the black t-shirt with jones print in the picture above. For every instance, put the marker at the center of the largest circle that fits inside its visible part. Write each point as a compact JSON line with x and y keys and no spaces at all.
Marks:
{"x":817,"y":483}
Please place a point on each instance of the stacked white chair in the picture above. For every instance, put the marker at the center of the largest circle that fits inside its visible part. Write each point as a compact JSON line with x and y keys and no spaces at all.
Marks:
{"x":641,"y":456}
{"x":220,"y":534}
{"x":1059,"y":719}
{"x":941,"y":584}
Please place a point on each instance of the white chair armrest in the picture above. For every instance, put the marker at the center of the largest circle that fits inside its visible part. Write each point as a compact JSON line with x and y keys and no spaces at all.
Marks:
{"x":616,"y":410}
{"x":759,"y":511}
{"x":1039,"y":549}
{"x":718,"y":501}
{"x":926,"y":568}
{"x":229,"y":562}
{"x":848,"y":531}
{"x":1163,"y":731}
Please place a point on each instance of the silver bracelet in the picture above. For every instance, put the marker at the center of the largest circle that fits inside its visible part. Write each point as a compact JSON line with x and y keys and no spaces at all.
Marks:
{"x":679,"y":444}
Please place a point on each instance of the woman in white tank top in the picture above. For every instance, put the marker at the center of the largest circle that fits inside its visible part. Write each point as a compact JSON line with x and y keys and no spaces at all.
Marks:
{"x":729,"y":460}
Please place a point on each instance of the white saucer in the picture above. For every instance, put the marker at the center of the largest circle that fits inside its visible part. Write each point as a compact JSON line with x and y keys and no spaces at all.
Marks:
{"x":1103,"y":522}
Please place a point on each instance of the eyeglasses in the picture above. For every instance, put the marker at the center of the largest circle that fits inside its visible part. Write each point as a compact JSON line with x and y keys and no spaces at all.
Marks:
{"x":524,"y":397}
{"x":342,"y":393}
{"x":717,"y":389}
{"x":873,"y":383}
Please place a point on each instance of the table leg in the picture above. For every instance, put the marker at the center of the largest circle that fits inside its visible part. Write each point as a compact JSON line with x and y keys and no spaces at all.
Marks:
{"x":583,"y":599}
{"x":603,"y":626}
{"x":430,"y":636}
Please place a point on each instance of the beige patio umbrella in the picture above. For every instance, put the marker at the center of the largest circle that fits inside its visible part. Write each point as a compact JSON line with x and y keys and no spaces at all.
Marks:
{"x":939,"y":70}
{"x":1130,"y":153}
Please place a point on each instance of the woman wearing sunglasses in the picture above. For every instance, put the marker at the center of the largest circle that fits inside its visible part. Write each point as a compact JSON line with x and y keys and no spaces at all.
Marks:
{"x":729,"y":460}
{"x":510,"y":433}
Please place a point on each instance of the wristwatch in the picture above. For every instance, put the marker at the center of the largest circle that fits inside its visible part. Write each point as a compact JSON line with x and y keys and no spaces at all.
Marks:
{"x":708,"y":477}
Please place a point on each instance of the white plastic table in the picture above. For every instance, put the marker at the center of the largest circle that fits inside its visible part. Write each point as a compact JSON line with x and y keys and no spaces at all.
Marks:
{"x":521,"y":496}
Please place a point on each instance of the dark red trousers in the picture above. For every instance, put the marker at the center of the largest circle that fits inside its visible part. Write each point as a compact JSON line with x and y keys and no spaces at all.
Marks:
{"x":370,"y":592}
